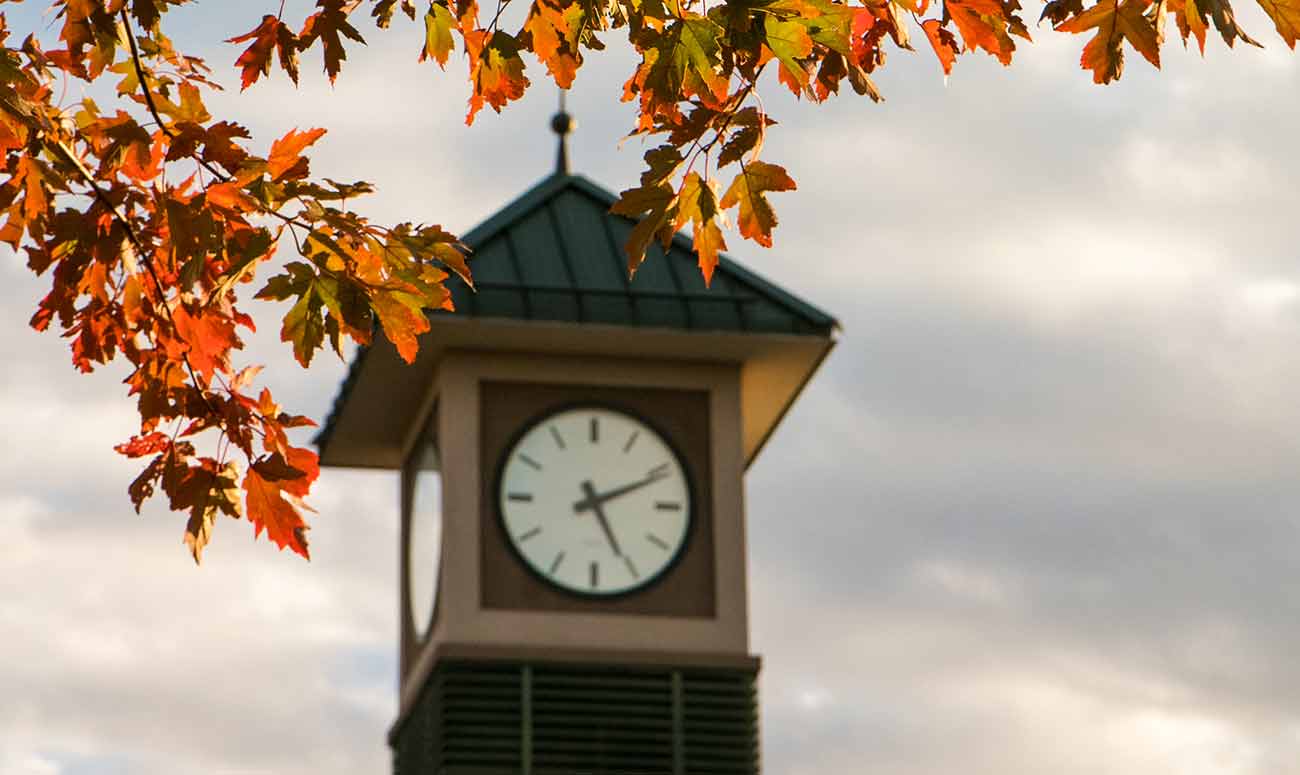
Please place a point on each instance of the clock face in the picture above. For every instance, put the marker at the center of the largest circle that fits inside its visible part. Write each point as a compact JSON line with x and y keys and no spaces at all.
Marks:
{"x":424,"y":539}
{"x":595,"y":501}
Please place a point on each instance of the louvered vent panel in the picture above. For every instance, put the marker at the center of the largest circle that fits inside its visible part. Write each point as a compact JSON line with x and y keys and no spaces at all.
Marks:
{"x":494,"y":718}
{"x":720,"y":722}
{"x":612,"y":722}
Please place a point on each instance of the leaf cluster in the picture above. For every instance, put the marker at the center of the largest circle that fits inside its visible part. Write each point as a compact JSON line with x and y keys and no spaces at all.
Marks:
{"x":153,"y":219}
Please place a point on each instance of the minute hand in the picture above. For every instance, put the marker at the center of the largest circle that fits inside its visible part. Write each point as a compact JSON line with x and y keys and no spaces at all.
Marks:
{"x":589,"y":502}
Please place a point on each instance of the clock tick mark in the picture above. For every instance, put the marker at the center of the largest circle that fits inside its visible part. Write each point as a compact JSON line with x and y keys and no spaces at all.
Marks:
{"x":668,"y":506}
{"x":630,"y":567}
{"x":595,"y":430}
{"x":555,"y":564}
{"x":559,"y":440}
{"x":630,"y":441}
{"x":522,"y":497}
{"x":525,"y":536}
{"x":659,"y":471}
{"x":657,"y":541}
{"x":595,"y":575}
{"x":531,"y":462}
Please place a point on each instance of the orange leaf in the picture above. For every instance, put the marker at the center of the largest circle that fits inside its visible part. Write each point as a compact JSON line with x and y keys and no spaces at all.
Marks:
{"x":33,"y":181}
{"x":1115,"y":22}
{"x":1286,"y":17}
{"x":286,"y":153}
{"x":497,"y":75}
{"x":268,"y":510}
{"x":403,"y":320}
{"x":209,"y":336}
{"x":749,"y":191}
{"x":943,"y":42}
{"x":229,"y":196}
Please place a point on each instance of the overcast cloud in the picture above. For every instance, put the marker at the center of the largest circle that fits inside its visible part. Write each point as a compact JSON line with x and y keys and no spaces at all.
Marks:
{"x":1037,"y":513}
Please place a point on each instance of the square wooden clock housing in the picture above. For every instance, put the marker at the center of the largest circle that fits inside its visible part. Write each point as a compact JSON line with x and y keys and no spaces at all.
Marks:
{"x":687,"y":588}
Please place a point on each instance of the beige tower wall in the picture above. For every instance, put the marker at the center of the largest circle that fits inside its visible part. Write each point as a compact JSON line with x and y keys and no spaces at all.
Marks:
{"x":464,"y":627}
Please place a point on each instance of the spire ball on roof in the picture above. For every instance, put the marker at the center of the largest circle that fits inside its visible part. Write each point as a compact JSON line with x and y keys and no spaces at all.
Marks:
{"x":562,"y":124}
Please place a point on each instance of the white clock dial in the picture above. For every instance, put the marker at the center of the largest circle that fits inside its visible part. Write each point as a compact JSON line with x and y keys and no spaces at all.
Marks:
{"x":595,"y":501}
{"x":424,"y":540}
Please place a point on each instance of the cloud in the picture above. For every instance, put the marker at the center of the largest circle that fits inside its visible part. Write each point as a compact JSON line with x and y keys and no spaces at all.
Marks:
{"x":1035,"y":515}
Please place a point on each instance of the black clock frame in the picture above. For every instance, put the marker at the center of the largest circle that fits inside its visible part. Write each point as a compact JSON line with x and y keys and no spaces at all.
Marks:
{"x":610,"y":406}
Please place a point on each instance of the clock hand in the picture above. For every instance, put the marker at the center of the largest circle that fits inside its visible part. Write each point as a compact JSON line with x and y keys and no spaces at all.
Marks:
{"x":593,"y":500}
{"x":590,"y":492}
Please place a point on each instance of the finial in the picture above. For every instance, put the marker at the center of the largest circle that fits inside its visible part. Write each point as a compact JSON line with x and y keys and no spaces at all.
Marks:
{"x":562,"y":124}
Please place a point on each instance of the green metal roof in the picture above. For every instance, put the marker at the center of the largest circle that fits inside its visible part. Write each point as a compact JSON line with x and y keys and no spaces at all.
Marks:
{"x":556,"y":253}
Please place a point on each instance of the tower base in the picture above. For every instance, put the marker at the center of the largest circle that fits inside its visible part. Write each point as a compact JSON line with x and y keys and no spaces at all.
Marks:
{"x":528,"y":717}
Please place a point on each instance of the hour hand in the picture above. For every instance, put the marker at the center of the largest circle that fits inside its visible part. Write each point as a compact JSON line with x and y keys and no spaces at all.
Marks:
{"x":589,"y":490}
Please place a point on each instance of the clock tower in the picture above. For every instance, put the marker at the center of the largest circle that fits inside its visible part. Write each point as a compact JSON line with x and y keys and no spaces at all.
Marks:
{"x":572,"y":446}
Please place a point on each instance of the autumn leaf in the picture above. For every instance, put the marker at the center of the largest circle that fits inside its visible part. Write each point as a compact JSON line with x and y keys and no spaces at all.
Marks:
{"x":553,"y":34}
{"x":209,"y":338}
{"x":256,"y":59}
{"x":1115,"y":22}
{"x":220,"y":495}
{"x":286,"y":154}
{"x":401,"y":315}
{"x":329,"y":26}
{"x":749,"y":190}
{"x":688,"y":62}
{"x":697,"y":203}
{"x":438,"y":24}
{"x":650,"y":203}
{"x":1286,"y":17}
{"x":790,"y":42}
{"x":497,"y":75}
{"x":943,"y":42}
{"x":304,"y":327}
{"x":988,"y":25}
{"x":268,"y":509}
{"x":230,"y":196}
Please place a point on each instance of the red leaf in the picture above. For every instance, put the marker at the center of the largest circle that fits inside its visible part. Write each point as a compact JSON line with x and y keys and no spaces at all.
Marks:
{"x":256,"y":59}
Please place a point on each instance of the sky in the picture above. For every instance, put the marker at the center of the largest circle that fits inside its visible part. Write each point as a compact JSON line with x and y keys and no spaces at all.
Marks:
{"x":1037,"y":513}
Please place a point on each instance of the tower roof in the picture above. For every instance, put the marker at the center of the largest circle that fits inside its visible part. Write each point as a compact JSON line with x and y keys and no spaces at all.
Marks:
{"x":556,"y":253}
{"x":554,"y":258}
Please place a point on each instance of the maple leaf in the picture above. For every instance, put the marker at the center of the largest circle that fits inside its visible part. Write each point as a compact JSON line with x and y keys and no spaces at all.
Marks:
{"x":749,"y":190}
{"x":402,"y":316}
{"x":438,"y":23}
{"x":286,"y":154}
{"x":943,"y":42}
{"x":652,"y":203}
{"x":497,"y":74}
{"x":688,"y":62}
{"x":256,"y":59}
{"x":220,"y":494}
{"x":208,"y":337}
{"x":1286,"y":18}
{"x":698,"y":204}
{"x":304,"y":327}
{"x":553,"y":34}
{"x":790,"y":42}
{"x":987,"y":24}
{"x":326,"y":25}
{"x":267,"y":507}
{"x":1115,"y":21}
